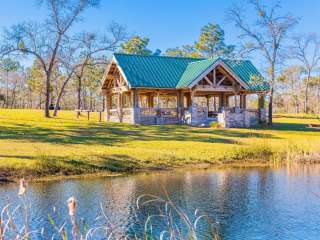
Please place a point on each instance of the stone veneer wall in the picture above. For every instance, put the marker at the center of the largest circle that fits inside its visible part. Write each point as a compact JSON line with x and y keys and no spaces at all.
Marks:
{"x":196,"y":115}
{"x":143,"y":116}
{"x":127,"y":115}
{"x":240,"y":118}
{"x":114,"y":115}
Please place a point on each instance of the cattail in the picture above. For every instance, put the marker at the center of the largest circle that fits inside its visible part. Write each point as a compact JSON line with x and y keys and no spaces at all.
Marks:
{"x":72,"y":205}
{"x":22,"y":187}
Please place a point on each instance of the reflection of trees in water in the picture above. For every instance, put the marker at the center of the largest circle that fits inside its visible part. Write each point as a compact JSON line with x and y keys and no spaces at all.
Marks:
{"x":228,"y":195}
{"x":120,"y":203}
{"x":294,"y":169}
{"x":243,"y":201}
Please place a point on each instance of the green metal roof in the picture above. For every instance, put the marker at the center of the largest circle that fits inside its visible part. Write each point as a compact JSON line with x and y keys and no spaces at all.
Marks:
{"x":178,"y":72}
{"x":194,"y":70}
{"x":248,"y":73}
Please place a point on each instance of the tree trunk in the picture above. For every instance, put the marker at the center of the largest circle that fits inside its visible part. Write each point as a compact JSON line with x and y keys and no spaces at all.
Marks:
{"x":270,"y":108}
{"x":79,"y":96}
{"x":40,"y":99}
{"x":306,"y":97}
{"x":7,"y":90}
{"x":306,"y":110}
{"x":47,"y":103}
{"x":57,"y":104}
{"x":318,"y":97}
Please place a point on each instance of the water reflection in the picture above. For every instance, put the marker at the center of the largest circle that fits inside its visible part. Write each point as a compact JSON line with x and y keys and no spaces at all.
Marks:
{"x":248,"y":203}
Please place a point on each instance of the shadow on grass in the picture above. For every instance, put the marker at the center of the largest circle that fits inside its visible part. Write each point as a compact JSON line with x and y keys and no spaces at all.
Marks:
{"x":293,"y":127}
{"x":310,"y":116}
{"x":68,"y":131}
{"x":113,"y":134}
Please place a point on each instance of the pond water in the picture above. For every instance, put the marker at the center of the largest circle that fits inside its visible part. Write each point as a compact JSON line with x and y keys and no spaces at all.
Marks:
{"x":250,"y":203}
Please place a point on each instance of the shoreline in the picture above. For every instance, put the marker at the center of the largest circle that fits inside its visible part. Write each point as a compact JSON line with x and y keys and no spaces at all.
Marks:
{"x":107,"y":174}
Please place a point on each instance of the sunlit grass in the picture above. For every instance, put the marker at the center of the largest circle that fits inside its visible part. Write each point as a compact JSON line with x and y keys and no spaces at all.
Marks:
{"x":33,"y":145}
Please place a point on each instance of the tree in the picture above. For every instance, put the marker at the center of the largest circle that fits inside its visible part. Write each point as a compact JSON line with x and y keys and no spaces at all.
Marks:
{"x":306,"y":50}
{"x":267,"y":36}
{"x":92,"y":83}
{"x":291,"y":80}
{"x":211,"y":42}
{"x":315,"y":83}
{"x":184,"y":51}
{"x":8,"y":65}
{"x":136,"y":45}
{"x":45,"y":41}
{"x":36,"y":83}
{"x":85,"y":50}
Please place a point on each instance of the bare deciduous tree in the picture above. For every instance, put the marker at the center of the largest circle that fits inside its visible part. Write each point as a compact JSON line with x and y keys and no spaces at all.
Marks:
{"x":306,"y":50}
{"x":44,"y":41}
{"x":266,"y":35}
{"x":84,"y":50}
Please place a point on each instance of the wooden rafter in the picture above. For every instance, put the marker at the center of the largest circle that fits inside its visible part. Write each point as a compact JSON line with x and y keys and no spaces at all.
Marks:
{"x":208,"y":80}
{"x":221,"y":80}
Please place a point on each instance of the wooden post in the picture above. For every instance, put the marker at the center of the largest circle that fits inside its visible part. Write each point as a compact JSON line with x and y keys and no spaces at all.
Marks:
{"x":244,"y":101}
{"x":136,"y":98}
{"x":180,"y":103}
{"x":226,"y":101}
{"x":88,"y":115}
{"x":192,"y":98}
{"x":208,"y":102}
{"x":158,"y":100}
{"x":221,"y":101}
{"x":100,"y":113}
{"x":135,"y":106}
{"x":107,"y":107}
{"x":120,"y":106}
{"x":150,"y":100}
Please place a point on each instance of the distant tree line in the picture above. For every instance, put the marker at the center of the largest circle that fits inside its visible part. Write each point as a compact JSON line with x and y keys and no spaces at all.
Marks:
{"x":68,"y":67}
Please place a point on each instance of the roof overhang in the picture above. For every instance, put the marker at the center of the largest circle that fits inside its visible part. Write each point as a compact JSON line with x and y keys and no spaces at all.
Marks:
{"x":114,"y":61}
{"x":217,"y":63}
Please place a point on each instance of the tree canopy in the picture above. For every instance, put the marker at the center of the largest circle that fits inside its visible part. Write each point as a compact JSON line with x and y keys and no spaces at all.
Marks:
{"x":136,"y":45}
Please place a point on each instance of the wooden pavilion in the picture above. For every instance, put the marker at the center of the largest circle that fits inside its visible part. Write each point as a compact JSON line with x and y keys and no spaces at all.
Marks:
{"x":175,"y":90}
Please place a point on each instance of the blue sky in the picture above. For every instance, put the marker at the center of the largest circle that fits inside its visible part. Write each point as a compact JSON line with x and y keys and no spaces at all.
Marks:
{"x":168,"y":23}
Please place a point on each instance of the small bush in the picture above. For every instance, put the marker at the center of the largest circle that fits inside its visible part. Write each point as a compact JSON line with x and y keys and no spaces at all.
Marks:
{"x":256,"y":151}
{"x":215,"y":125}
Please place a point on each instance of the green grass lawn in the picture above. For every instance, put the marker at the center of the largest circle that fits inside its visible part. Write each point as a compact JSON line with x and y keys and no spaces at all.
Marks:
{"x":35,"y":146}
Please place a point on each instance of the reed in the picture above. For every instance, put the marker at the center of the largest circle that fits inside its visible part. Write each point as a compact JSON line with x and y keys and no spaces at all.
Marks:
{"x":15,"y":222}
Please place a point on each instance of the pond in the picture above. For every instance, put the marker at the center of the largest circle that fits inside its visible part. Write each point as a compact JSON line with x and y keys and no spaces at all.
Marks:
{"x":244,"y":203}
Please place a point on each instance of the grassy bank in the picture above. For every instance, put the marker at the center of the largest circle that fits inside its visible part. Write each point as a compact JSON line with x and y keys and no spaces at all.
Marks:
{"x":34,"y":146}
